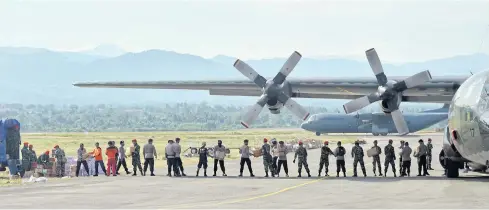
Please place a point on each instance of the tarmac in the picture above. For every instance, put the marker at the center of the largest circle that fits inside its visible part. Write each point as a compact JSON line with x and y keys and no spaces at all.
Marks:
{"x":234,"y":192}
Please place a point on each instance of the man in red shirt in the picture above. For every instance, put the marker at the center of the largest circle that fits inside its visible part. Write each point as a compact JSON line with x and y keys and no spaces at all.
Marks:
{"x":111,"y":153}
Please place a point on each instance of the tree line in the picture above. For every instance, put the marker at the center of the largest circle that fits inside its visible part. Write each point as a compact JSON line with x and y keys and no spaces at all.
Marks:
{"x":161,"y":117}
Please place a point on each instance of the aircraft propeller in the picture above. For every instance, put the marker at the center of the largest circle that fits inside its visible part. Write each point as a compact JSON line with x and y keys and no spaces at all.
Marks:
{"x":388,"y":92}
{"x":273,"y":89}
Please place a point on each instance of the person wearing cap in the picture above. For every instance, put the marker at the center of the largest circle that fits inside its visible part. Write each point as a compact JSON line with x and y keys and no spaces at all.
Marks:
{"x":178,"y":150}
{"x":44,"y":159}
{"x":267,"y":157}
{"x":150,"y":155}
{"x":274,"y":155}
{"x":301,"y":152}
{"x":81,"y":160}
{"x":203,"y":153}
{"x":122,"y":159}
{"x":282,"y":158}
{"x":340,"y":152}
{"x":170,"y":159}
{"x":245,"y":153}
{"x":99,"y":161}
{"x":219,"y":154}
{"x":428,"y":154}
{"x":26,"y":157}
{"x":420,"y":153}
{"x":324,"y":159}
{"x":33,"y":157}
{"x":136,"y":158}
{"x":357,"y":155}
{"x":60,"y":156}
{"x":400,"y":157}
{"x":390,"y":157}
{"x":376,"y":158}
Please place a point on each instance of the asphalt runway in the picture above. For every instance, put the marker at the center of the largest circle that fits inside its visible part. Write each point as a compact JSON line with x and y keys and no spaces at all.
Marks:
{"x":193,"y":192}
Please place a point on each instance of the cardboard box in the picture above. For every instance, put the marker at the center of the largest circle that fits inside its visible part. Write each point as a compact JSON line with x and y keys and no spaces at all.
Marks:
{"x":372,"y":152}
{"x":257,"y":153}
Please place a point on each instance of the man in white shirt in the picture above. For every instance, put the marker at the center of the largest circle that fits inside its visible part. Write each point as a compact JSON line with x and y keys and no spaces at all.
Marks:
{"x":170,"y":159}
{"x":122,"y":159}
{"x":406,"y":159}
{"x":178,"y":161}
{"x":219,"y":154}
{"x":149,"y":152}
{"x":245,"y":158}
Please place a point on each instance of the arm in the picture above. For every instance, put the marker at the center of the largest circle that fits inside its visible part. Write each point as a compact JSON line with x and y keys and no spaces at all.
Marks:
{"x":154,"y":152}
{"x":352,"y":151}
{"x":145,"y":149}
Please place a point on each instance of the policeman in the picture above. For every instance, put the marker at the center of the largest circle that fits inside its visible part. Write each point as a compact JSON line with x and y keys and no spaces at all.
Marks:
{"x":390,"y":156}
{"x":136,"y":158}
{"x":340,"y":152}
{"x":324,"y":160}
{"x":301,"y":152}
{"x":400,"y":157}
{"x":267,"y":158}
{"x":170,"y":159}
{"x":244,"y":151}
{"x":357,"y":155}
{"x":420,"y":153}
{"x":219,"y":154}
{"x":274,"y":155}
{"x":203,"y":153}
{"x":376,"y":158}
{"x":428,"y":155}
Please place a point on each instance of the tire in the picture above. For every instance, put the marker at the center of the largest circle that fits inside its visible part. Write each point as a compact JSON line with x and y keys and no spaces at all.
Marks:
{"x":193,"y":151}
{"x":375,"y":134}
{"x":318,"y":134}
{"x":452,"y":168}
{"x":383,"y":134}
{"x":441,"y":158}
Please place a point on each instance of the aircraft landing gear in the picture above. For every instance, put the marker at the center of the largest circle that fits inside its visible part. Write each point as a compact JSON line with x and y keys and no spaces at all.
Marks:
{"x":452,"y":167}
{"x":375,"y":134}
{"x":318,"y":133}
{"x":383,"y":134}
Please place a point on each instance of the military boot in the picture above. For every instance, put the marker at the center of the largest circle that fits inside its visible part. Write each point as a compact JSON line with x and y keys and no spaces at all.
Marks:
{"x":319,"y":174}
{"x":380,"y":174}
{"x":240,"y":174}
{"x":205,"y":172}
{"x":266,"y":173}
{"x":308,"y":174}
{"x":134,"y":174}
{"x":395,"y":175}
{"x":375,"y":174}
{"x":344,"y":174}
{"x":197,"y":174}
{"x":337,"y":174}
{"x":299,"y":174}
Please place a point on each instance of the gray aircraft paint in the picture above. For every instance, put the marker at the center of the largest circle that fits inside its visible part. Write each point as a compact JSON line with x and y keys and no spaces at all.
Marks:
{"x":376,"y":123}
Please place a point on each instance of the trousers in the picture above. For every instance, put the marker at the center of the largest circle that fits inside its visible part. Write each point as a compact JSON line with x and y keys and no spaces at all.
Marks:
{"x":406,"y":166}
{"x":422,"y":164}
{"x":284,"y":163}
{"x":123,"y":163}
{"x":78,"y":165}
{"x":221,"y":164}
{"x":101,"y":163}
{"x":248,"y":163}
{"x":151,"y":163}
{"x":171,"y":165}
{"x":340,"y":164}
{"x":179,"y":164}
{"x":111,"y":166}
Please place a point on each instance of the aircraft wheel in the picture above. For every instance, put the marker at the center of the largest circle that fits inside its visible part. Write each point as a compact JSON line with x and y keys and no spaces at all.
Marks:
{"x":193,"y":151}
{"x":318,"y":134}
{"x":441,"y":158}
{"x":452,"y":168}
{"x":375,"y":134}
{"x":383,"y":134}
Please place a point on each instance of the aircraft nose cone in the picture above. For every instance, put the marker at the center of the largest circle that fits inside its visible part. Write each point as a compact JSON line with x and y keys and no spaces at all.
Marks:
{"x":305,"y":125}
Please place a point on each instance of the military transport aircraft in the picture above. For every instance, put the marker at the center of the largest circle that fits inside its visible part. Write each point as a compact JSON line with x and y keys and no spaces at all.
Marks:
{"x":375,"y":123}
{"x":278,"y":92}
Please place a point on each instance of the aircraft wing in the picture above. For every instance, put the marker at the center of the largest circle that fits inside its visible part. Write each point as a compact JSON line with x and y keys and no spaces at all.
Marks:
{"x":438,"y":90}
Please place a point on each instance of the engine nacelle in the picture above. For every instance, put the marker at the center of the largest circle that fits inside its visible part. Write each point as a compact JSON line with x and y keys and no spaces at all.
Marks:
{"x":388,"y":105}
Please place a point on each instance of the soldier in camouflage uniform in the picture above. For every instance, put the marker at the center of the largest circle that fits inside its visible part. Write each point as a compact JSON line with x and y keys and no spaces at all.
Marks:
{"x":26,"y":157}
{"x":390,"y":156}
{"x":33,"y":154}
{"x":302,"y":153}
{"x":324,"y":160}
{"x":428,"y":154}
{"x":267,"y":158}
{"x":136,"y":159}
{"x":357,"y":155}
{"x":59,"y":154}
{"x":376,"y":159}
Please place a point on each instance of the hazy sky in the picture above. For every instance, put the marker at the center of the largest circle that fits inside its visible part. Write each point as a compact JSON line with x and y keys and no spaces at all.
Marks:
{"x":401,"y":31}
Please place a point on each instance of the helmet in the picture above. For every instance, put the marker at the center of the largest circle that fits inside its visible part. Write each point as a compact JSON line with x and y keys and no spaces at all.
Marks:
{"x":300,"y":142}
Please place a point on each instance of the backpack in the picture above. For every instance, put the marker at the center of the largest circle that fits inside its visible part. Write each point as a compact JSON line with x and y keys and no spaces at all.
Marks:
{"x":341,"y":151}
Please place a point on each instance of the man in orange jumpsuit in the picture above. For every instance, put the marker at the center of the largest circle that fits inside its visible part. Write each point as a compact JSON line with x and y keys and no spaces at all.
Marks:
{"x":97,"y":153}
{"x":111,"y":153}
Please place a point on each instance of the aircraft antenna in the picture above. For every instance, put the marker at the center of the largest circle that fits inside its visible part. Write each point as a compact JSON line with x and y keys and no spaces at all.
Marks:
{"x":480,"y":47}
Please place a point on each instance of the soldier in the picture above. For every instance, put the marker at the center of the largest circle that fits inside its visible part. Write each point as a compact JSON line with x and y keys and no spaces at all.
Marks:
{"x":274,"y":155}
{"x":376,"y":158}
{"x":324,"y":160}
{"x":33,"y":157}
{"x":26,"y":157}
{"x":267,"y":158}
{"x":282,"y":158}
{"x":400,"y":157}
{"x":357,"y":155}
{"x":406,"y":159}
{"x":390,"y":156}
{"x":245,"y":158}
{"x":150,"y":155}
{"x":60,"y":161}
{"x":44,"y":159}
{"x":301,"y":152}
{"x":170,"y":159}
{"x":340,"y":152}
{"x":136,"y":158}
{"x":178,"y":161}
{"x":80,"y":153}
{"x":219,"y":154}
{"x":428,"y":155}
{"x":122,"y":159}
{"x":203,"y":153}
{"x":420,"y":153}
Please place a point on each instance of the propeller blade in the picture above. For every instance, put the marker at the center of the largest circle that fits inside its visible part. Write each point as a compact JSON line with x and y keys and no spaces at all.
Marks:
{"x":400,"y":123}
{"x":376,"y":65}
{"x":249,"y":72}
{"x":288,"y":66}
{"x":253,"y":113}
{"x":359,"y":103}
{"x":297,"y":109}
{"x":413,"y":81}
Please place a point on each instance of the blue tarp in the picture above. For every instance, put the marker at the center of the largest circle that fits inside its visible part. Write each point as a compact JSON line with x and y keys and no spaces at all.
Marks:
{"x":5,"y":145}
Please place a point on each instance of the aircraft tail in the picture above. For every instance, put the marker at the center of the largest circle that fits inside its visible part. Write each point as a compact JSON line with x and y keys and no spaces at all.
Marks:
{"x":444,"y":108}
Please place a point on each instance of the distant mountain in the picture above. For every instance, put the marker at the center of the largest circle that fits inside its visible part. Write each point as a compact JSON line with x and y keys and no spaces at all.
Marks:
{"x":32,"y":75}
{"x":105,"y":50}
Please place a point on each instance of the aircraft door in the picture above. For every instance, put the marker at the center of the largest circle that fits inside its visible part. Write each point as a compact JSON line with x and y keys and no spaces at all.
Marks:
{"x":364,"y":123}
